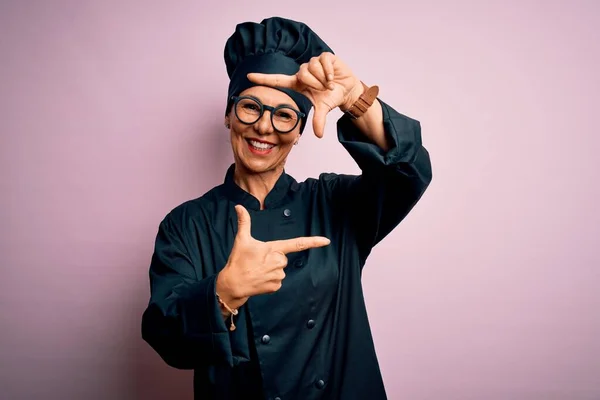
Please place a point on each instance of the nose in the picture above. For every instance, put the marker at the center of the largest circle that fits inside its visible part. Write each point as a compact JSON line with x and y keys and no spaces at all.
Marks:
{"x":263,"y":125}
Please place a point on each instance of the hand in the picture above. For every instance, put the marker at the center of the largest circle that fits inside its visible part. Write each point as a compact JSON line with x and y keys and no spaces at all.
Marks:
{"x":256,"y":267}
{"x":325,"y":80}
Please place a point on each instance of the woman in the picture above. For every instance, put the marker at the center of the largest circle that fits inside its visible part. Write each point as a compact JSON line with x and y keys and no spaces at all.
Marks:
{"x":256,"y":285}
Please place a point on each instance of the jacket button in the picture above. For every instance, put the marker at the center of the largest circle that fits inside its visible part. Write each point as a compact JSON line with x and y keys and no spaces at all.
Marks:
{"x":287,"y":212}
{"x":265,"y":339}
{"x":277,"y":398}
{"x":298,"y":262}
{"x":310,"y":324}
{"x":320,"y":384}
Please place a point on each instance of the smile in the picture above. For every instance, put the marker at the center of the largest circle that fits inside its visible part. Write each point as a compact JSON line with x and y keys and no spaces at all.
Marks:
{"x":260,"y":147}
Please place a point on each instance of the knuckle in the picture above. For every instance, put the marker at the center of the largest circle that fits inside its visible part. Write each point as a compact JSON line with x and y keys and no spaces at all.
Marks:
{"x":303,"y":73}
{"x":277,"y":259}
{"x":274,"y":286}
{"x":301,"y":244}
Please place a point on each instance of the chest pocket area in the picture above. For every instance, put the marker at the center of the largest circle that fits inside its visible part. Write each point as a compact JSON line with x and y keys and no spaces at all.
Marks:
{"x":310,"y":274}
{"x":314,"y":275}
{"x":297,"y":260}
{"x":323,"y":271}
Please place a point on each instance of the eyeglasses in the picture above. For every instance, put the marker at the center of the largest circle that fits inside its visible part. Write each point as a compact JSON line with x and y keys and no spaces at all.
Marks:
{"x":248,"y":110}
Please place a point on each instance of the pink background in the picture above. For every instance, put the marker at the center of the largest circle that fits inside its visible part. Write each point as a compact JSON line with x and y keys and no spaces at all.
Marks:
{"x":111,"y":114}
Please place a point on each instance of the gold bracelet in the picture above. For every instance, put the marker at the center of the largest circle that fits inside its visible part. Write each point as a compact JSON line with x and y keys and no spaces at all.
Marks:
{"x":231,"y":311}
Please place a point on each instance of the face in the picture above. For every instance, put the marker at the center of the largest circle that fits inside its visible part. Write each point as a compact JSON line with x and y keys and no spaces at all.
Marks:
{"x":259,"y":148}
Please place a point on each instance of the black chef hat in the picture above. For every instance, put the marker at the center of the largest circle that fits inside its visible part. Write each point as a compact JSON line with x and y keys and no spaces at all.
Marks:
{"x":276,"y":46}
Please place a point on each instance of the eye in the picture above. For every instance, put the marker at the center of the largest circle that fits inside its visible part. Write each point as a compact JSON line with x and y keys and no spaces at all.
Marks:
{"x":284,"y":115}
{"x":251,"y":106}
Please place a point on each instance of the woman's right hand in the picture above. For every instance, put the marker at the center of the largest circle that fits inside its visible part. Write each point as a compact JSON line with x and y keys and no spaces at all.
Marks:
{"x":255,"y":267}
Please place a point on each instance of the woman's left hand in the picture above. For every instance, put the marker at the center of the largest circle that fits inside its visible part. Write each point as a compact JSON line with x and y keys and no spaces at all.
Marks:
{"x":325,"y":80}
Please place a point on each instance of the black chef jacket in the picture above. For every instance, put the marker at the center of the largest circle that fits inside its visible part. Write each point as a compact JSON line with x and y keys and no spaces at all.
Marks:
{"x":311,"y":339}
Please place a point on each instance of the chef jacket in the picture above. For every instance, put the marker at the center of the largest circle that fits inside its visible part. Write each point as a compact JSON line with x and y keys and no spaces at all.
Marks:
{"x":311,"y":339}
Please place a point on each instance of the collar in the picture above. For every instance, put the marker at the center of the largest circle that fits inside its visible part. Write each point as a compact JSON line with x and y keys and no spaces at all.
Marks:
{"x":283,"y":187}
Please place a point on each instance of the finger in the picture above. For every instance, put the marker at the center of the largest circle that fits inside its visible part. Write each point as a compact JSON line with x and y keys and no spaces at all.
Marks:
{"x":319,"y":120}
{"x":276,"y":276}
{"x":299,"y":244}
{"x":244,"y":224}
{"x":327,"y":59}
{"x":274,"y":286}
{"x":276,"y":259}
{"x":316,"y":69}
{"x":306,"y":78}
{"x":275,"y":80}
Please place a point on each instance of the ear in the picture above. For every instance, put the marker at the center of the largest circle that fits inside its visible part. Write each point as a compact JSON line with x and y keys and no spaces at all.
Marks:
{"x":227,"y":123}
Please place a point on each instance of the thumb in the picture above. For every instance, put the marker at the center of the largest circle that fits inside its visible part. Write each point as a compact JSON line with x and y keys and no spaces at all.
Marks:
{"x":244,"y":224}
{"x":319,"y":119}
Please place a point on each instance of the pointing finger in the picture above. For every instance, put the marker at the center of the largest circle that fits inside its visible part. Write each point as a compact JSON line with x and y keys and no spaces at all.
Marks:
{"x":275,"y":80}
{"x":299,"y":244}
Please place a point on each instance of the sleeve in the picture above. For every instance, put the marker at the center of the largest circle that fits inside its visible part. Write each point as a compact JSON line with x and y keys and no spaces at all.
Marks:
{"x":183,"y":322}
{"x":390,"y":183}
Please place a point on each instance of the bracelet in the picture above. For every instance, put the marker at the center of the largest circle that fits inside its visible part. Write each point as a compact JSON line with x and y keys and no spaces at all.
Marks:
{"x":232,"y":312}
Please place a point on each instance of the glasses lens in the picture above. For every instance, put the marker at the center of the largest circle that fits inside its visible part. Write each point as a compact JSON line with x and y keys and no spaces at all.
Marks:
{"x":248,"y":110}
{"x":285,"y":119}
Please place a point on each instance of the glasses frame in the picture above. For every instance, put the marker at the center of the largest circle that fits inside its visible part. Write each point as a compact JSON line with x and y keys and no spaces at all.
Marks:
{"x":263,"y":107}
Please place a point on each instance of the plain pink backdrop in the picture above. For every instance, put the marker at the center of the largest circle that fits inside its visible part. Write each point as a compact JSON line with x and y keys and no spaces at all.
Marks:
{"x":111,"y":114}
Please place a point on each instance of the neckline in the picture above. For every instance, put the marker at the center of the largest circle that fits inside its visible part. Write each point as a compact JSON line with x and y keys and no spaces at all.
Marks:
{"x":276,"y":196}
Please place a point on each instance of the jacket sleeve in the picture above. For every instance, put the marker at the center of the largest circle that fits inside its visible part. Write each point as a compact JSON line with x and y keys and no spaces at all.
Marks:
{"x":182,"y":321}
{"x":391,"y":182}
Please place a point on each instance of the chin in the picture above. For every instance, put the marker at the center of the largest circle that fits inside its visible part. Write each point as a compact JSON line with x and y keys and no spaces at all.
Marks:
{"x":258,"y":166}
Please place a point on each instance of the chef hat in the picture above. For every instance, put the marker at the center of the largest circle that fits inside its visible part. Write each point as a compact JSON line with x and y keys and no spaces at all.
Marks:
{"x":275,"y":46}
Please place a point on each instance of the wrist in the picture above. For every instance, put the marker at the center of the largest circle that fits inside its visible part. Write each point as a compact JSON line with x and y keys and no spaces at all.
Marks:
{"x":353,"y":96}
{"x":227,"y":289}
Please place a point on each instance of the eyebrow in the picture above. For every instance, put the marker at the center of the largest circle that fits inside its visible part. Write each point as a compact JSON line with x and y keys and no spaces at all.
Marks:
{"x":279,"y":105}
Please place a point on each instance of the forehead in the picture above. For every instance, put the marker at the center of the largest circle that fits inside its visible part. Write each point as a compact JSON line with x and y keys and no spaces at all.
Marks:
{"x":269,"y":96}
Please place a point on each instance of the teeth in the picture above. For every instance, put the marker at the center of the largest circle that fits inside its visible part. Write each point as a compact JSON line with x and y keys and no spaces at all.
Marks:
{"x":259,"y":145}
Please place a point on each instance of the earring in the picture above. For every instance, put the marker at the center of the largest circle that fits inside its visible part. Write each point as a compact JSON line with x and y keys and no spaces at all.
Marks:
{"x":228,"y":126}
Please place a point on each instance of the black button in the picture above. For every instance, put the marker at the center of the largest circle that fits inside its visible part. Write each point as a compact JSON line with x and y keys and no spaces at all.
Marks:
{"x":310,"y":324}
{"x":287,"y":212}
{"x":277,"y":398}
{"x":298,"y":262}
{"x":265,"y":339}
{"x":320,"y":384}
